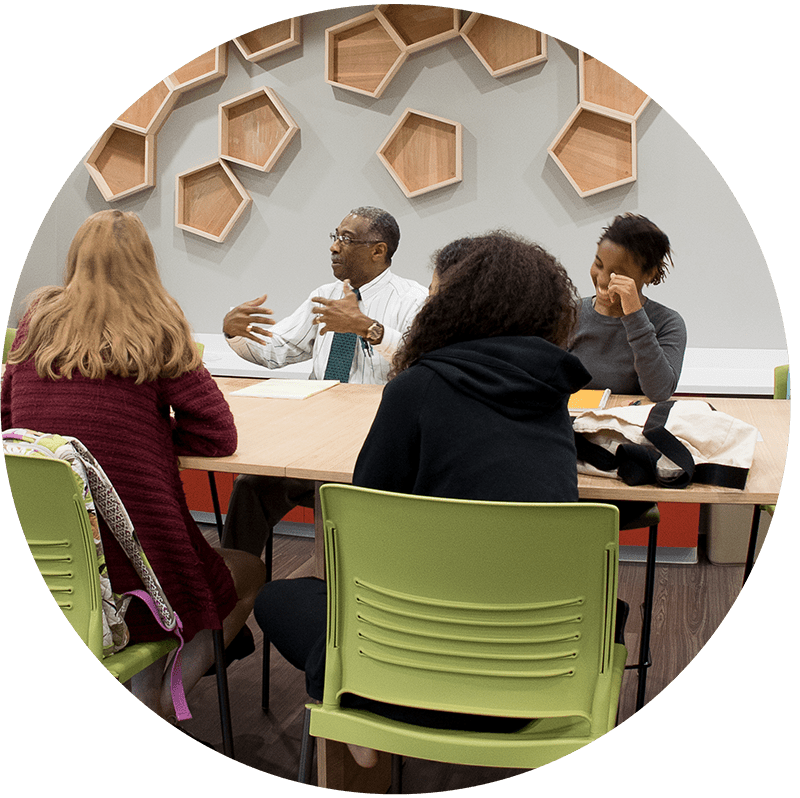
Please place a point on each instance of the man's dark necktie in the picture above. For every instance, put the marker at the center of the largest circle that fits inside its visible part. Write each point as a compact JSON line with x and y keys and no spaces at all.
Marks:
{"x":341,"y":355}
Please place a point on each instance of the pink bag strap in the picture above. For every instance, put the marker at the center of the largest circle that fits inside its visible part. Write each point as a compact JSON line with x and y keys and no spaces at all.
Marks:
{"x":176,"y":676}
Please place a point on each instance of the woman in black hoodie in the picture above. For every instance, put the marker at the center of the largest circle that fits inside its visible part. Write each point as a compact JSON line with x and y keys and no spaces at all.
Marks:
{"x":476,"y":408}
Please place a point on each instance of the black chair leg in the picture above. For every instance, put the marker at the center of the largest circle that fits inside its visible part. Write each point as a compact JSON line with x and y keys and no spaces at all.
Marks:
{"x":644,"y":643}
{"x":306,"y":751}
{"x":222,"y":694}
{"x":265,"y":676}
{"x":266,"y":651}
{"x":212,"y":483}
{"x":753,"y":542}
{"x":397,"y":774}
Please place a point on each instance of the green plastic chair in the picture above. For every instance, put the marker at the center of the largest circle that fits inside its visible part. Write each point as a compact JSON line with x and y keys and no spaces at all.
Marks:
{"x":53,"y":517}
{"x":780,"y":382}
{"x":780,"y":391}
{"x":483,"y":608}
{"x":10,"y":335}
{"x":56,"y":526}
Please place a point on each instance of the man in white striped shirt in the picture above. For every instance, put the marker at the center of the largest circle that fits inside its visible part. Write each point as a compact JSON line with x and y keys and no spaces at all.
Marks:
{"x":361,"y":256}
{"x":367,"y":299}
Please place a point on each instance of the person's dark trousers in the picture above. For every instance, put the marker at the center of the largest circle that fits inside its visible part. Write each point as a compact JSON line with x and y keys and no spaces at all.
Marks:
{"x":257,"y":504}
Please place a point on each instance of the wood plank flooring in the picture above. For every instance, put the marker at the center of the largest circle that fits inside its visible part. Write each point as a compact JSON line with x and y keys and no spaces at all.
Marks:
{"x":690,"y":602}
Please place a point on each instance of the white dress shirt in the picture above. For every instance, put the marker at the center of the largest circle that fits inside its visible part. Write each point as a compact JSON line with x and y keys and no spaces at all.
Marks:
{"x":391,"y":300}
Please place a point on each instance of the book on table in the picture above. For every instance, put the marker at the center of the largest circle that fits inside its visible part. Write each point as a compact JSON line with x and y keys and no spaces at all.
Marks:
{"x":589,"y":399}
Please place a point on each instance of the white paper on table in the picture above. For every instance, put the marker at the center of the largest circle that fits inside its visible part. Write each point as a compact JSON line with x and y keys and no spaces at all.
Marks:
{"x":286,"y":389}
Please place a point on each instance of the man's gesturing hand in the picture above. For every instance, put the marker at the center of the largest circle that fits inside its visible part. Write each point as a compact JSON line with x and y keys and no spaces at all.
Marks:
{"x":341,"y":315}
{"x":246,"y":320}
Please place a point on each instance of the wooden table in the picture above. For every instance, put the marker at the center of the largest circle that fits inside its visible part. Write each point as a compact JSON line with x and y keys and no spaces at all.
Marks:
{"x":319,"y":439}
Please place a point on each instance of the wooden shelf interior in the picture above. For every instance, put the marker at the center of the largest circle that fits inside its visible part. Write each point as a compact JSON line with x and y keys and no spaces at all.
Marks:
{"x":150,"y":111}
{"x":209,"y":200}
{"x":600,"y":85}
{"x":201,"y":70}
{"x":122,"y":162}
{"x":363,"y":54}
{"x":254,"y":129}
{"x":596,"y":151}
{"x":420,"y":26}
{"x":502,"y":46}
{"x":422,"y":152}
{"x":269,"y":40}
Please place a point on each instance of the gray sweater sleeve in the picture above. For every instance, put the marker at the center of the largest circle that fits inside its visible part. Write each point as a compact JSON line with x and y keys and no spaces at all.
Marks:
{"x":657,"y":357}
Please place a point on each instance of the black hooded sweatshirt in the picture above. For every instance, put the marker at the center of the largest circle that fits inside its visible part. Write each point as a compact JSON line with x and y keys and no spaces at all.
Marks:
{"x":484,"y":419}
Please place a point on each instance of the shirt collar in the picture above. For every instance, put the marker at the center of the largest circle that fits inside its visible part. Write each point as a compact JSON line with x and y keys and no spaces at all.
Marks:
{"x":374,"y":285}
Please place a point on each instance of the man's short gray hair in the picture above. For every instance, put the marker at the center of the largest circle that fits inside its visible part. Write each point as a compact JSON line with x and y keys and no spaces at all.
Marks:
{"x":382,"y":225}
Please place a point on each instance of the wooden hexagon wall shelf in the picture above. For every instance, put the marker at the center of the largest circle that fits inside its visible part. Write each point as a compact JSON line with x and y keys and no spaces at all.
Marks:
{"x":209,"y":200}
{"x":122,"y":162}
{"x":422,"y":152}
{"x":420,"y":26}
{"x":602,"y":87}
{"x":269,"y":40}
{"x":201,"y":70}
{"x":596,"y":150}
{"x":254,"y":129}
{"x":503,"y":47}
{"x":363,"y":54}
{"x":150,"y":111}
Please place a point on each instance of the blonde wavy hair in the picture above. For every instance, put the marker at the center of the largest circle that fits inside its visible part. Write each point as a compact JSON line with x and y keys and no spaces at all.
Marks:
{"x":113,"y":315}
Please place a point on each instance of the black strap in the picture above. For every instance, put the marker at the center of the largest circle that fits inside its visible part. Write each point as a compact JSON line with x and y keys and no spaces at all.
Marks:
{"x":636,"y":464}
{"x":656,"y":432}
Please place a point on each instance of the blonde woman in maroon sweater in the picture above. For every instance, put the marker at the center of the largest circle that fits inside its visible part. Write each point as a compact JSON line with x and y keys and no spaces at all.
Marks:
{"x":109,"y":359}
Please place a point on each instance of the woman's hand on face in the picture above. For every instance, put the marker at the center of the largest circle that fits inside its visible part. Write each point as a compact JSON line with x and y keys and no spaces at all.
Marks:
{"x":624,"y":290}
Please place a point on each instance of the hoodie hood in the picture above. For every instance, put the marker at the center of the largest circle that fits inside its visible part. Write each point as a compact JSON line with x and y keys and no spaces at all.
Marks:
{"x":517,"y":376}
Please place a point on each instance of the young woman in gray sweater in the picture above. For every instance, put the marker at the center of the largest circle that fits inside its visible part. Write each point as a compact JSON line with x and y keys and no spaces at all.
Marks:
{"x":628,"y":342}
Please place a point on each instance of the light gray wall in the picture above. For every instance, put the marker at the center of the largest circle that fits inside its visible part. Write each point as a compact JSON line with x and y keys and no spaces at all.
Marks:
{"x":280,"y":245}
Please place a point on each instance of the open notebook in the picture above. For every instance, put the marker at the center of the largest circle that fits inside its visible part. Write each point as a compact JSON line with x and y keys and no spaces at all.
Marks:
{"x":589,"y":400}
{"x":286,"y":389}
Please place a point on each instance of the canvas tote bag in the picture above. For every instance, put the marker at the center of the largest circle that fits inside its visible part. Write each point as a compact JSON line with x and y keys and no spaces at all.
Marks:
{"x":670,"y":444}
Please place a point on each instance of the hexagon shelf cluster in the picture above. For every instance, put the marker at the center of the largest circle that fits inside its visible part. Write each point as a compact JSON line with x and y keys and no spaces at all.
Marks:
{"x":596,"y":148}
{"x":503,"y":47}
{"x":363,"y":54}
{"x":270,"y":40}
{"x":209,"y":200}
{"x":422,"y":152}
{"x":254,"y":129}
{"x":122,"y":161}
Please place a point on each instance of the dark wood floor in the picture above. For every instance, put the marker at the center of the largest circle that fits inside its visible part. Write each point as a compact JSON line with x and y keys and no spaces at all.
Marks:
{"x":690,"y":602}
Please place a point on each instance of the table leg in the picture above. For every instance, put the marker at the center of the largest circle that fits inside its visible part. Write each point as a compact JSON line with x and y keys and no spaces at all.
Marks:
{"x":751,"y":548}
{"x":649,"y":590}
{"x":212,"y":483}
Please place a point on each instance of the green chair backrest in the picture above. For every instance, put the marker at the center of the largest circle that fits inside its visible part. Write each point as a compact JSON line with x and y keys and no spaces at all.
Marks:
{"x":56,"y":525}
{"x":781,"y":382}
{"x":10,"y":334}
{"x":479,"y":607}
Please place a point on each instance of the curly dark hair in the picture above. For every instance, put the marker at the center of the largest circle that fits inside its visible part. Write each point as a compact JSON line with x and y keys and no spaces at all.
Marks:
{"x":648,"y":243}
{"x":491,"y":285}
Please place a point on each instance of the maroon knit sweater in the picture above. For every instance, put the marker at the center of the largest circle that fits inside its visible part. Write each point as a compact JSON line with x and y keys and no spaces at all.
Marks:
{"x":130,"y":431}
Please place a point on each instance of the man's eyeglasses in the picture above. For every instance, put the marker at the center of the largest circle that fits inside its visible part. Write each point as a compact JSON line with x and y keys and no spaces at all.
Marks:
{"x":346,"y":240}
